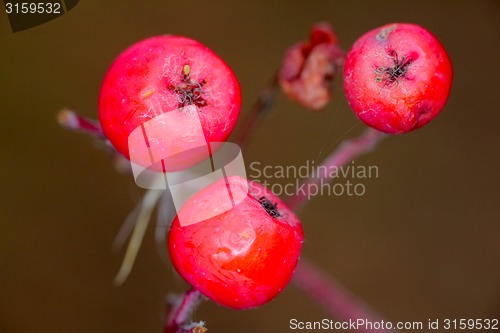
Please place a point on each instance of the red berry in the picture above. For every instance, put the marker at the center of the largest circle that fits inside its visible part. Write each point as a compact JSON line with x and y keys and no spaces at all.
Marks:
{"x":243,"y":257}
{"x":397,"y":77}
{"x":166,"y":74}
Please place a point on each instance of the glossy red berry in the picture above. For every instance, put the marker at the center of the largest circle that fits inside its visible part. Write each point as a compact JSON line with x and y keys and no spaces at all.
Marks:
{"x":166,"y":74}
{"x":241,"y":258}
{"x":397,"y":78}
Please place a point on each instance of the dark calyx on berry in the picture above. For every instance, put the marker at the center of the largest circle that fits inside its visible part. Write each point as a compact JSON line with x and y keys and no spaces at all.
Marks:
{"x":392,"y":73}
{"x":271,"y":209}
{"x":188,"y":91}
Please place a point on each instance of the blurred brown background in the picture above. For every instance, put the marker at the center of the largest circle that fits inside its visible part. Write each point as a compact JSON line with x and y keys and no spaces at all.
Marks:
{"x":422,"y":243}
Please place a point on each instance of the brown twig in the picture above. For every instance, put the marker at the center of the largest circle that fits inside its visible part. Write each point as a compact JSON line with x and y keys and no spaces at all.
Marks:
{"x":259,"y":109}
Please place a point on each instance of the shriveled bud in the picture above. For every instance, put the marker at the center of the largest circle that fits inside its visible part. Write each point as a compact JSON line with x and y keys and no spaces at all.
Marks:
{"x":309,"y":67}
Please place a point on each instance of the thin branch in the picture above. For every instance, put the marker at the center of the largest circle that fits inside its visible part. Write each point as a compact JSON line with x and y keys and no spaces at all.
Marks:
{"x":333,"y":296}
{"x":259,"y":109}
{"x":346,"y":152}
{"x":321,"y":287}
{"x":181,"y":312}
{"x":73,"y":121}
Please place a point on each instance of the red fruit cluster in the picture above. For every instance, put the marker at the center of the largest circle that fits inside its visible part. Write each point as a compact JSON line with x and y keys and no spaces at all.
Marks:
{"x":397,"y":78}
{"x":240,"y":257}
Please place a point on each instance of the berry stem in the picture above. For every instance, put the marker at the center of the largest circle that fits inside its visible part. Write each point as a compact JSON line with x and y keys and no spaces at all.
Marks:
{"x":179,"y":315}
{"x":259,"y":109}
{"x":346,"y":152}
{"x":334,"y":297}
{"x":327,"y":291}
{"x":73,"y":121}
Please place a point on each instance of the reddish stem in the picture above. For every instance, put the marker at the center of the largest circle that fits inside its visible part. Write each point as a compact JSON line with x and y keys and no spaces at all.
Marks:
{"x":345,"y":153}
{"x":259,"y":109}
{"x":71,"y":120}
{"x":334,"y":297}
{"x":327,"y":291}
{"x":177,"y":320}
